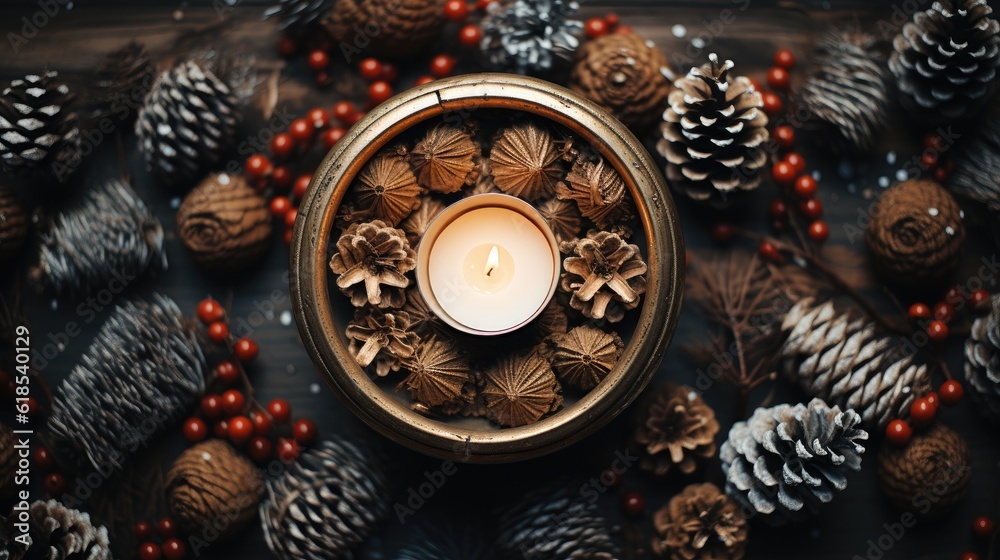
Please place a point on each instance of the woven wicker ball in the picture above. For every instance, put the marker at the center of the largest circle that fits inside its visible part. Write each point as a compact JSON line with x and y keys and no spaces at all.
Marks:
{"x":384,"y":28}
{"x":929,"y":475}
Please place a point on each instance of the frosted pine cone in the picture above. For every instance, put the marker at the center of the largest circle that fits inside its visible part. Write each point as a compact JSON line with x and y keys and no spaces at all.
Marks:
{"x":554,"y":524}
{"x":982,"y":361}
{"x":59,"y":533}
{"x":530,"y":36}
{"x":978,"y":165}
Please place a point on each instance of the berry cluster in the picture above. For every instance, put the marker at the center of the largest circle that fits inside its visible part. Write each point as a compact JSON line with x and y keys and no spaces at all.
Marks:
{"x":170,"y":547}
{"x":935,"y":320}
{"x":599,"y":26}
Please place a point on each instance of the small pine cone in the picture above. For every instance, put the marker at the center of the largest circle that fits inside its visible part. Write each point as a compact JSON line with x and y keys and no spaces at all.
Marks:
{"x":384,"y":28}
{"x":416,"y":224}
{"x":446,"y":159}
{"x":439,"y":376}
{"x":296,"y":17}
{"x":124,"y":78}
{"x":700,"y":523}
{"x":325,"y":504}
{"x":584,"y":356}
{"x":529,"y":36}
{"x":58,"y":533}
{"x":8,"y":462}
{"x":935,"y":461}
{"x":626,"y":75}
{"x":714,"y":134}
{"x":977,"y":167}
{"x":526,"y":162}
{"x":519,"y":390}
{"x":383,"y":338}
{"x":554,"y":523}
{"x":212,"y":481}
{"x":842,"y":359}
{"x":599,"y":193}
{"x":785,"y":461}
{"x":386,"y":189}
{"x":13,"y":225}
{"x":676,"y":429}
{"x":982,"y":362}
{"x":845,"y":89}
{"x":945,"y":60}
{"x":916,"y":235}
{"x":372,"y":261}
{"x":187,"y":122}
{"x":604,"y":275}
{"x":37,"y":129}
{"x":563,"y":218}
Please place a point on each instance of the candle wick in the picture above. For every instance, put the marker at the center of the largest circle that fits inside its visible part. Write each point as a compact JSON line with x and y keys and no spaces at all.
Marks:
{"x":493,"y":261}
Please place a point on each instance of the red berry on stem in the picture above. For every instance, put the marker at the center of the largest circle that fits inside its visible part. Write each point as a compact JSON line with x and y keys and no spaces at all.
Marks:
{"x":195,"y":430}
{"x":281,"y":177}
{"x":805,"y":186}
{"x":937,"y":331}
{"x":166,"y":527}
{"x":928,"y":160}
{"x":344,"y":111}
{"x":778,"y":209}
{"x":318,"y":60}
{"x":287,"y":46}
{"x":596,"y":27}
{"x":304,"y":431}
{"x":951,"y":392}
{"x":288,"y":450}
{"x":979,"y":299}
{"x":633,"y":504}
{"x":778,"y":78}
{"x":770,"y":252}
{"x":983,"y":527}
{"x":456,"y":10}
{"x":142,"y":530}
{"x":442,"y":65}
{"x":259,"y":449}
{"x":389,"y":72}
{"x":173,"y":549}
{"x":301,"y":185}
{"x":470,"y":35}
{"x":783,"y":173}
{"x":280,"y":410}
{"x":319,"y":117}
{"x":922,"y":412}
{"x":261,"y":423}
{"x":54,"y":483}
{"x":290,"y":217}
{"x":797,"y":161}
{"x":280,"y":205}
{"x":723,"y":232}
{"x":623,"y":30}
{"x":233,"y":401}
{"x":149,"y":551}
{"x":818,"y":231}
{"x":784,"y":59}
{"x":811,"y":208}
{"x":933,"y":141}
{"x":43,"y":460}
{"x":331,"y":136}
{"x":221,"y":429}
{"x":211,"y":406}
{"x":612,"y":19}
{"x":379,"y":91}
{"x":919,"y":310}
{"x":282,"y":145}
{"x":941,"y":174}
{"x":302,"y":131}
{"x":898,"y":432}
{"x":784,"y":136}
{"x":944,"y":311}
{"x":370,"y":68}
{"x":210,"y":311}
{"x":240,"y":429}
{"x":933,"y":399}
{"x":218,"y":332}
{"x":257,"y":166}
{"x":484,"y":4}
{"x":228,"y":372}
{"x":772,"y":104}
{"x":245,"y":349}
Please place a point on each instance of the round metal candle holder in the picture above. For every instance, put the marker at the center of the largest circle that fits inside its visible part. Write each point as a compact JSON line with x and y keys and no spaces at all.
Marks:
{"x":312,"y":280}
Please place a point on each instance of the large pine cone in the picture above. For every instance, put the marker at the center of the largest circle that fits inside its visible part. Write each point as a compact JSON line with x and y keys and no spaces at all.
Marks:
{"x":372,"y":261}
{"x":982,"y":361}
{"x":296,"y":17}
{"x":786,"y":461}
{"x":530,"y":36}
{"x":946,"y":59}
{"x":604,"y":275}
{"x":845,"y":90}
{"x":626,"y":75}
{"x":977,"y":167}
{"x":58,"y":533}
{"x":37,"y":129}
{"x":929,"y":475}
{"x":384,"y":28}
{"x":842,"y":359}
{"x":325,"y":504}
{"x":676,"y":429}
{"x":187,"y":122}
{"x":713,"y":134}
{"x":123,"y":81}
{"x":700,"y":523}
{"x":8,"y":462}
{"x":13,"y":225}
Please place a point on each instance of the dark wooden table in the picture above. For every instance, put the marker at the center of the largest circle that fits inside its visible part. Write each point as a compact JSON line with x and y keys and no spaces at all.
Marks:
{"x":73,"y":42}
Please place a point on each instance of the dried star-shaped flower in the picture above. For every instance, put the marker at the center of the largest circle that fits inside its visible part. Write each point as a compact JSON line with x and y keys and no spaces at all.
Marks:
{"x":518,"y":390}
{"x":372,"y":260}
{"x":676,"y":429}
{"x":383,"y":338}
{"x":598,"y":191}
{"x":445,"y":160}
{"x":584,"y":356}
{"x":387,"y":189}
{"x":439,"y":375}
{"x":416,"y":223}
{"x":526,"y":162}
{"x":604,"y":275}
{"x":563,"y":218}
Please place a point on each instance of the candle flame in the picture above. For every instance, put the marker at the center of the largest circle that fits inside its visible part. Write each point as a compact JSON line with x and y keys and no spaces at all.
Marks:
{"x":493,"y":261}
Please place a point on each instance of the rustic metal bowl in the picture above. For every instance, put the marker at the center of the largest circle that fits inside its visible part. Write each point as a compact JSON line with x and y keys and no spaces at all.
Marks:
{"x":323,"y":333}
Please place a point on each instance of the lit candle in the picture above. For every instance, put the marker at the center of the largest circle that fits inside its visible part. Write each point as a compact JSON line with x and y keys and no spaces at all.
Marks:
{"x":488,"y":264}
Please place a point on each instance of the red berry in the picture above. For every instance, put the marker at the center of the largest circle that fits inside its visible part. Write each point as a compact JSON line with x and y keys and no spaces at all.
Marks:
{"x":818,"y":231}
{"x":919,"y":310}
{"x":245,"y":349}
{"x":228,"y":372}
{"x":43,"y":460}
{"x":257,"y":166}
{"x":442,"y":65}
{"x":149,"y":551}
{"x":784,"y":59}
{"x":211,"y":406}
{"x":596,"y":27}
{"x":770,"y":252}
{"x":210,"y":311}
{"x":941,"y":174}
{"x":301,"y":186}
{"x":280,"y":410}
{"x":54,"y":483}
{"x":344,"y":112}
{"x":290,"y":217}
{"x":796,"y":161}
{"x":166,"y":527}
{"x":288,"y":450}
{"x":318,"y":60}
{"x":784,"y":136}
{"x":233,"y":401}
{"x":173,"y":549}
{"x":933,"y":399}
{"x":280,"y":205}
{"x":944,"y":311}
{"x":633,"y":504}
{"x":623,"y":30}
{"x":259,"y":449}
{"x":783,"y":173}
{"x":723,"y":232}
{"x":612,"y":19}
{"x":898,"y":432}
{"x":805,"y":186}
{"x":281,"y":177}
{"x":322,"y":78}
{"x":928,"y":160}
{"x":938,"y":331}
{"x":331,"y":136}
{"x":456,"y":10}
{"x":389,"y":72}
{"x":983,"y":527}
{"x":811,"y":208}
{"x":282,"y":145}
{"x":379,"y":91}
{"x":778,"y":78}
{"x":287,"y":46}
{"x":195,"y":430}
{"x":221,"y":429}
{"x":319,"y":117}
{"x":358,"y":116}
{"x":261,"y":423}
{"x":951,"y":392}
{"x":302,"y":131}
{"x":304,"y":431}
{"x":922,"y":412}
{"x":470,"y":35}
{"x":218,"y":332}
{"x":423,"y":80}
{"x":240,"y":429}
{"x":778,"y":209}
{"x":371,"y":69}
{"x":969,"y":556}
{"x":934,"y":141}
{"x":142,"y":530}
{"x":979,"y":299}
{"x":755,"y":84}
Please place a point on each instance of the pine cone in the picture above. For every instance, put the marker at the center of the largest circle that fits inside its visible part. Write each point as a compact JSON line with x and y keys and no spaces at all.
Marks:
{"x":519,"y":390}
{"x":599,"y":193}
{"x":386,"y":189}
{"x":143,"y":371}
{"x":978,"y":165}
{"x":439,"y":376}
{"x":384,"y":28}
{"x":372,"y":261}
{"x":525,"y":162}
{"x":713,"y":134}
{"x":446,"y":159}
{"x":700,"y":522}
{"x":676,"y":429}
{"x":842,"y":359}
{"x":529,"y":36}
{"x":59,"y":533}
{"x":108,"y":240}
{"x":584,"y":356}
{"x":13,"y":225}
{"x":626,"y":75}
{"x":123,"y":80}
{"x":604,"y":275}
{"x":383,"y":338}
{"x":982,"y":361}
{"x":296,"y":17}
{"x":929,"y":475}
{"x":945,"y":60}
{"x":554,"y":523}
{"x":187,"y":122}
{"x":785,"y":461}
{"x":845,"y":89}
{"x":37,"y":129}
{"x":8,"y":462}
{"x":325,"y":504}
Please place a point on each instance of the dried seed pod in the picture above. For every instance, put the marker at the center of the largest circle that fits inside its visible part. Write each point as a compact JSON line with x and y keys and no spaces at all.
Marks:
{"x":599,"y":193}
{"x":438,"y":375}
{"x":423,"y":321}
{"x":372,"y":261}
{"x":563,"y":218}
{"x":446,"y":159}
{"x":584,"y":356}
{"x":383,"y":338}
{"x":518,"y":390}
{"x":525,"y":162}
{"x":386,"y":189}
{"x":416,"y":223}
